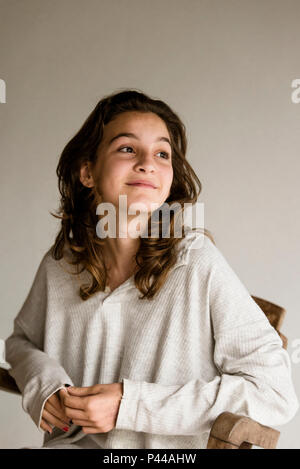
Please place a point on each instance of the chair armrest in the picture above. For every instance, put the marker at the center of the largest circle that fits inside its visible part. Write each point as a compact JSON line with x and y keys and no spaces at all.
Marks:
{"x":232,"y":431}
{"x":7,"y":382}
{"x":284,"y":340}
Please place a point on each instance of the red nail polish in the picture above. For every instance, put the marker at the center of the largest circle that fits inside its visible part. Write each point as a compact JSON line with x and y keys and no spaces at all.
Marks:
{"x":66,"y":429}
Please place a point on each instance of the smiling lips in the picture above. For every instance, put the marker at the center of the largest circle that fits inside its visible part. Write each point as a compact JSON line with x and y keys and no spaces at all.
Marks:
{"x":142,"y":184}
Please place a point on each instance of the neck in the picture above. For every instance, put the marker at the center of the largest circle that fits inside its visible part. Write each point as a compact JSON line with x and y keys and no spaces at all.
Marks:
{"x":119,"y":254}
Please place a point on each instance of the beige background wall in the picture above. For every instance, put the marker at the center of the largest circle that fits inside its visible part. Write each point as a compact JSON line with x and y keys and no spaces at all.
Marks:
{"x":225,"y":66}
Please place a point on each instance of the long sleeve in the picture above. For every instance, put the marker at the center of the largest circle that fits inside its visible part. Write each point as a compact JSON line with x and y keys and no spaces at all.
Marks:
{"x":254,"y":370}
{"x":37,"y":375}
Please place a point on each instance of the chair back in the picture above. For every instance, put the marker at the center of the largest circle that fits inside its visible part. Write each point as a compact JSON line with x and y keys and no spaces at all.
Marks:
{"x":275,"y":315}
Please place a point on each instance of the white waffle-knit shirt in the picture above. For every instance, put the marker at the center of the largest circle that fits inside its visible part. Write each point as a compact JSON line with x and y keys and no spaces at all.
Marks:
{"x":200,"y":347}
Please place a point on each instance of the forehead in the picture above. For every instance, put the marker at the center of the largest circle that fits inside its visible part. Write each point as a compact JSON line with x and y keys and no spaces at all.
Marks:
{"x":136,"y":122}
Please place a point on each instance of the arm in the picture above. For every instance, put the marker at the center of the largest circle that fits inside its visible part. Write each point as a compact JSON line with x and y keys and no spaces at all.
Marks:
{"x":255,"y":371}
{"x":37,"y":375}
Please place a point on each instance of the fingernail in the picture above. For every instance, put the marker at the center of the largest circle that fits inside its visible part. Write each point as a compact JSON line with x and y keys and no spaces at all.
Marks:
{"x":66,"y":429}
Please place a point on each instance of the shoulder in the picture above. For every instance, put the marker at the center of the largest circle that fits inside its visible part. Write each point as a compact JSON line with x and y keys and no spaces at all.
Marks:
{"x":53,"y":268}
{"x":203,"y":256}
{"x":197,"y":248}
{"x":47,"y":261}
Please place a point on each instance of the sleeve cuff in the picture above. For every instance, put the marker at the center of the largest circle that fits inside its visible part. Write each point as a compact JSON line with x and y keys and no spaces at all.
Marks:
{"x":127,"y":416}
{"x":40,"y":401}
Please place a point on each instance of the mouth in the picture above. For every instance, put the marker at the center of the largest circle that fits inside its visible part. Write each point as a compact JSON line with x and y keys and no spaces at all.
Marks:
{"x":139,"y":184}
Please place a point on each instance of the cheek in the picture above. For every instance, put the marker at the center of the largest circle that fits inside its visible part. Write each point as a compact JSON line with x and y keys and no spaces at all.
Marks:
{"x":111,"y":176}
{"x":167,"y":180}
{"x":118,"y":172}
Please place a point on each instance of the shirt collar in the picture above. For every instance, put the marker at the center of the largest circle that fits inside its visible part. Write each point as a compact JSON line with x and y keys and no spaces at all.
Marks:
{"x":192,"y":239}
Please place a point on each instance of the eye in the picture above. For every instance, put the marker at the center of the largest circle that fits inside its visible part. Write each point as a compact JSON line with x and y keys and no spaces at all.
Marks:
{"x":167,"y":156}
{"x":123,"y":148}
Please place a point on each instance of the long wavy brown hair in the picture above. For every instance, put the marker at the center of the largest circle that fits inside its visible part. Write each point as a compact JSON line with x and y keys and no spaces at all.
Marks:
{"x":77,"y":210}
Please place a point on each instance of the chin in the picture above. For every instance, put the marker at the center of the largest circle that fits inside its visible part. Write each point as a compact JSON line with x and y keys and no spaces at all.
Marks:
{"x":140,"y":206}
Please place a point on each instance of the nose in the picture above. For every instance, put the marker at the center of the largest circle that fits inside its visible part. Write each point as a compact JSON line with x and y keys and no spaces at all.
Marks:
{"x":145,"y":162}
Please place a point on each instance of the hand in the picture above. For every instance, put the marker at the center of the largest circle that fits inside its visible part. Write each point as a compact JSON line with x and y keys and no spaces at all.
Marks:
{"x":54,"y":412}
{"x":94,"y":408}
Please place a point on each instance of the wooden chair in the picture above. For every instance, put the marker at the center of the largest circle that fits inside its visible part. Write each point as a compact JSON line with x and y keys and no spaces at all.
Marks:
{"x":229,"y":431}
{"x":232,"y":431}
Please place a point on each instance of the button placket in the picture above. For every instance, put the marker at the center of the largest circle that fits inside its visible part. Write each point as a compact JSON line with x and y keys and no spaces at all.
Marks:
{"x":112,"y":308}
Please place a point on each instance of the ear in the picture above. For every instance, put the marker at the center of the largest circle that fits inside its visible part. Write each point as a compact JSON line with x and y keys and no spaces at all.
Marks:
{"x":86,"y":177}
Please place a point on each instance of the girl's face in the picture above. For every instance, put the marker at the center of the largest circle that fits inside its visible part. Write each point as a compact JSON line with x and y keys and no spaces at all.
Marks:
{"x":146,"y":154}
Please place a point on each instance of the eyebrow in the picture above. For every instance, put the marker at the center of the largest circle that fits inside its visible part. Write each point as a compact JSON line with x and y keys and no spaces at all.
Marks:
{"x":129,"y":134}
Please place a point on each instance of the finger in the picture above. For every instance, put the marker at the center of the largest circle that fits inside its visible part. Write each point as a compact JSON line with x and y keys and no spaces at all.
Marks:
{"x":77,"y":414}
{"x":62,"y":394}
{"x":84,"y":391}
{"x":56,"y":401}
{"x":83,"y":423}
{"x":74,"y":402}
{"x":57,"y":413}
{"x":91,"y":430}
{"x":52,"y":401}
{"x":45,"y":426}
{"x":54,"y":420}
